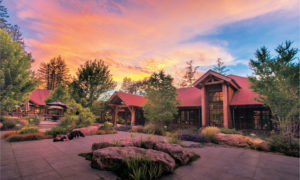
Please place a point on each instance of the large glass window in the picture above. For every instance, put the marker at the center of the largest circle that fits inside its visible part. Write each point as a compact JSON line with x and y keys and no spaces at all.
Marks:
{"x":215,"y":100}
{"x":188,"y":117}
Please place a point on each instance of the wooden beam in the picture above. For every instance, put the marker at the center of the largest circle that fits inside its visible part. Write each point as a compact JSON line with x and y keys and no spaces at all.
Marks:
{"x":118,"y":105}
{"x":215,"y":82}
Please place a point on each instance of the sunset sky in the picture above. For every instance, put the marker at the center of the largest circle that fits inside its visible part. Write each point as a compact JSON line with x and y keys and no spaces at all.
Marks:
{"x":136,"y":38}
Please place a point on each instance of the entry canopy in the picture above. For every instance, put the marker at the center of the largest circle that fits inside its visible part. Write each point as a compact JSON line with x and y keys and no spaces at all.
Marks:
{"x":55,"y":107}
{"x":57,"y":103}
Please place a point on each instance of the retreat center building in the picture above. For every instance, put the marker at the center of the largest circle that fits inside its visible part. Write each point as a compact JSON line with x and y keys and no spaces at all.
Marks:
{"x":213,"y":100}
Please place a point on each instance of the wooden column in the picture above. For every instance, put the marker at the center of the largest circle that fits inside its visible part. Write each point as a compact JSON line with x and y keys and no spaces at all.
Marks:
{"x":204,"y":107}
{"x":132,"y":111}
{"x":226,"y":112}
{"x":115,"y":115}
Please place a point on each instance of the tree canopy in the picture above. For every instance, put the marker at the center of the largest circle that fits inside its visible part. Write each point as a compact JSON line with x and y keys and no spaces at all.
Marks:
{"x":161,"y":99}
{"x":16,"y":79}
{"x":276,"y":80}
{"x":189,"y":76}
{"x":93,"y":79}
{"x":12,"y":30}
{"x":134,"y":87}
{"x":54,"y":72}
{"x":220,"y":67}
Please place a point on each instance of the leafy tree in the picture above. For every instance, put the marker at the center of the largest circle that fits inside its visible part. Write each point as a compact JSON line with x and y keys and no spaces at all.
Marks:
{"x":276,"y":80}
{"x":16,"y":79}
{"x":12,"y":30}
{"x":189,"y":77}
{"x":54,"y":72}
{"x":61,"y":94}
{"x":220,"y":67}
{"x":161,"y":99}
{"x":134,"y":87}
{"x":93,"y":79}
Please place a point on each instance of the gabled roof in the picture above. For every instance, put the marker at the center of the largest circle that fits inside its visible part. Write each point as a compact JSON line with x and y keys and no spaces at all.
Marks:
{"x":39,"y":96}
{"x":219,"y":76}
{"x":129,"y":99}
{"x":245,"y":95}
{"x":189,"y":97}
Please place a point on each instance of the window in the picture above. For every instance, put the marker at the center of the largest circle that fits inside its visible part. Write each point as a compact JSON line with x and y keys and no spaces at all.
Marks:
{"x":215,"y":100}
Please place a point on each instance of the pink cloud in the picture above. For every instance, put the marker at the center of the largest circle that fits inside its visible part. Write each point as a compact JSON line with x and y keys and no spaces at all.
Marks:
{"x":136,"y":37}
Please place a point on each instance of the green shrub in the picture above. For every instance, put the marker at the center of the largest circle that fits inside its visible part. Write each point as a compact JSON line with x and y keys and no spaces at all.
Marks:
{"x":174,"y":140}
{"x":33,"y":120}
{"x":284,"y":144}
{"x":210,"y":133}
{"x":88,"y":156}
{"x":139,"y":168}
{"x":121,"y":121}
{"x":8,"y":123}
{"x":58,"y":130}
{"x":27,"y":137}
{"x":152,"y":128}
{"x":107,"y":126}
{"x":77,"y":116}
{"x":29,"y":129}
{"x":138,"y":129}
{"x":70,"y":121}
{"x":230,"y":131}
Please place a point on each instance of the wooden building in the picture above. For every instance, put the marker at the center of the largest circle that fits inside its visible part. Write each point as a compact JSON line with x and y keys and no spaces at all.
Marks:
{"x":214,"y":100}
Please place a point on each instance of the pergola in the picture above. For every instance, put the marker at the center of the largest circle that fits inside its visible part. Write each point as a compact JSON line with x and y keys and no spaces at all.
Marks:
{"x":121,"y":100}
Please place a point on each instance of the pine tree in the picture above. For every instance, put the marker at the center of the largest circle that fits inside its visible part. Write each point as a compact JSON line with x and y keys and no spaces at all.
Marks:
{"x":189,"y":77}
{"x":276,"y":80}
{"x":54,"y":72}
{"x":16,"y":79}
{"x":220,"y":67}
{"x":12,"y":30}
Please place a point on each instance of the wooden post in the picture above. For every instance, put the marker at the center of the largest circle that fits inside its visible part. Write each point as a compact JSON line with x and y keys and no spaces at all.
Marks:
{"x":115,"y":115}
{"x":132,"y":111}
{"x":226,"y":113}
{"x":204,"y":107}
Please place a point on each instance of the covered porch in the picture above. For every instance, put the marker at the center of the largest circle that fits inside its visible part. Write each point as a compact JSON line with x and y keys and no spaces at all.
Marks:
{"x":128,"y":107}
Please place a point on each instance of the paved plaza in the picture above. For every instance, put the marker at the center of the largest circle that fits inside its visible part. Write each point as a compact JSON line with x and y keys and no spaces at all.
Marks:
{"x":45,"y":160}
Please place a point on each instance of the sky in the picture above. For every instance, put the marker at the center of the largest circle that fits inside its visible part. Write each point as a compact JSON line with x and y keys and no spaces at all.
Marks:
{"x":136,"y":37}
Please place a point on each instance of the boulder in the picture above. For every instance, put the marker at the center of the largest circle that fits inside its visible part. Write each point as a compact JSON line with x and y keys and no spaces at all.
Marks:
{"x":232,"y":140}
{"x":87,"y":131}
{"x":183,"y":156}
{"x":257,"y":143}
{"x":110,"y":157}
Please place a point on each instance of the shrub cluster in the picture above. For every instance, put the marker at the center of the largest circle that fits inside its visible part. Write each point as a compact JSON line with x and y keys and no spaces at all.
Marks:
{"x":33,"y":120}
{"x":284,"y":144}
{"x":138,"y":129}
{"x":196,"y":137}
{"x":58,"y":130}
{"x":106,"y":131}
{"x":9,"y":123}
{"x":139,"y":168}
{"x":152,"y":128}
{"x":14,"y":137}
{"x":230,"y":131}
{"x":29,"y":129}
{"x":123,"y":128}
{"x":210,"y":133}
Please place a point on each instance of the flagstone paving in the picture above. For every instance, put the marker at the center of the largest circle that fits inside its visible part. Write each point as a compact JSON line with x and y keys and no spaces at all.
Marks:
{"x":45,"y":160}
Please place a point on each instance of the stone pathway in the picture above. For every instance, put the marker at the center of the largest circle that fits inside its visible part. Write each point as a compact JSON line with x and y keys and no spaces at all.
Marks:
{"x":45,"y":160}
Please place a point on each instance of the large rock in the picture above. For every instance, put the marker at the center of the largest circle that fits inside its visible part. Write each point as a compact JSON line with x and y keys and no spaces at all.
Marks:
{"x":110,"y":157}
{"x":257,"y":143}
{"x":183,"y":156}
{"x":232,"y":140}
{"x":176,"y":151}
{"x":87,"y":131}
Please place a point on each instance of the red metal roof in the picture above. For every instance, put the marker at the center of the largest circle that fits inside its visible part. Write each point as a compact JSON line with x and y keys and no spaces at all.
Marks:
{"x":131,"y":99}
{"x":245,"y":95}
{"x":189,"y":97}
{"x":39,"y":96}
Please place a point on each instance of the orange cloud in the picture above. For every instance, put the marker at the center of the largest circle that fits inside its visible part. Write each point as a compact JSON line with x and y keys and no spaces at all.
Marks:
{"x":134,"y":38}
